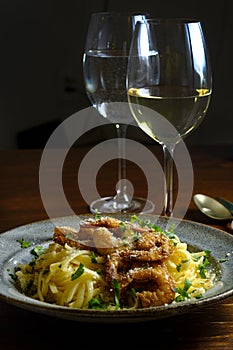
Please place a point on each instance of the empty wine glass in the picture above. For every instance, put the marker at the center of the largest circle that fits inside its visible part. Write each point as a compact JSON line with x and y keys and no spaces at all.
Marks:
{"x":104,"y":65}
{"x":169,"y":85}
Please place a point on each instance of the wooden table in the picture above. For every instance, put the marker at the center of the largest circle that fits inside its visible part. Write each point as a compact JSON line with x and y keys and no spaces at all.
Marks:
{"x":20,"y":203}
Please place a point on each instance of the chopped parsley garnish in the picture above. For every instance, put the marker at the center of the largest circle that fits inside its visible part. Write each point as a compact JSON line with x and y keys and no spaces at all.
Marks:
{"x":207,"y":254}
{"x":202,"y":267}
{"x":136,"y":237}
{"x":183,"y":293}
{"x":143,"y":223}
{"x":13,"y":276}
{"x":24,"y":244}
{"x":78,"y":272}
{"x":97,"y":215}
{"x":202,"y":270}
{"x":170,"y":235}
{"x":196,"y":257}
{"x":116,"y":288}
{"x":97,"y":303}
{"x":37,"y":251}
{"x":133,"y":292}
{"x":199,"y":296}
{"x":122,"y":226}
{"x":93,"y":258}
{"x":184,"y":261}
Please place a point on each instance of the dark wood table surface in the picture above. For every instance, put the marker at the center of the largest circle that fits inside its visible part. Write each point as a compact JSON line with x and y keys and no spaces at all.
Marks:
{"x":208,"y":327}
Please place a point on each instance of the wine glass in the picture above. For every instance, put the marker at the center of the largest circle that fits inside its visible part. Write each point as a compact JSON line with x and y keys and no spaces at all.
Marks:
{"x":104,"y":66}
{"x":169,"y":85}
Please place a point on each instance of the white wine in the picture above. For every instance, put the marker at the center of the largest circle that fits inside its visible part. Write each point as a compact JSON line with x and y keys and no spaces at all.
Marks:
{"x":105,"y":81}
{"x":168,"y":113}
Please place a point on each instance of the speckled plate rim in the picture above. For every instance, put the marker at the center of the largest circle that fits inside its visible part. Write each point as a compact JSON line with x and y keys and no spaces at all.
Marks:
{"x":197,"y":235}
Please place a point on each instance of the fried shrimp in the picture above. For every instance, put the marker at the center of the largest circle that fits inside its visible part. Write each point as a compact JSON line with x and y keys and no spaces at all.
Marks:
{"x":104,"y":240}
{"x":101,"y":239}
{"x":154,"y":285}
{"x":151,"y":246}
{"x":103,"y":221}
{"x":157,"y":285}
{"x":140,"y":266}
{"x":116,"y":269}
{"x":67,"y":235}
{"x":134,"y":257}
{"x":88,"y":227}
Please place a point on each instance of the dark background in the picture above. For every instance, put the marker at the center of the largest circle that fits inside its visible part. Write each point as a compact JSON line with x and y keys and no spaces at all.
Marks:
{"x":41,"y":46}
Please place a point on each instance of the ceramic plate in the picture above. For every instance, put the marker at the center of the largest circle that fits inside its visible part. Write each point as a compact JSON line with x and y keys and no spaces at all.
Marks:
{"x":198,"y":237}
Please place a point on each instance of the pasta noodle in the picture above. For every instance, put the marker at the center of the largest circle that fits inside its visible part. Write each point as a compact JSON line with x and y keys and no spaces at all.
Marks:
{"x":76,"y":278}
{"x":55,"y":276}
{"x":186,"y":266}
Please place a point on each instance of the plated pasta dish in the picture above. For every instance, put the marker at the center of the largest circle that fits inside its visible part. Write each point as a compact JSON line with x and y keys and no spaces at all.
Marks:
{"x":108,"y":263}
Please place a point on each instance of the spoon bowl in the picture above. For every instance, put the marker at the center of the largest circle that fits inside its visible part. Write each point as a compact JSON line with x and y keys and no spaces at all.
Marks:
{"x":212,"y":208}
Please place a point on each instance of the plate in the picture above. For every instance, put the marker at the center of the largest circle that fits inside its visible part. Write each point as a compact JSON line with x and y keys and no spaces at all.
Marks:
{"x":198,"y":236}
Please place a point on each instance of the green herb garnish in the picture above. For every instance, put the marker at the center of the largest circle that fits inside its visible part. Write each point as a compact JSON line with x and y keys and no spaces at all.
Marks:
{"x":24,"y":244}
{"x":183,"y":293}
{"x":37,"y":251}
{"x":97,"y":303}
{"x":116,"y":288}
{"x":78,"y":272}
{"x":93,"y":258}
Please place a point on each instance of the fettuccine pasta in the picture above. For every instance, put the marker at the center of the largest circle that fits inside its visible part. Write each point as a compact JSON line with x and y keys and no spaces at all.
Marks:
{"x":189,"y":270}
{"x":64,"y":276}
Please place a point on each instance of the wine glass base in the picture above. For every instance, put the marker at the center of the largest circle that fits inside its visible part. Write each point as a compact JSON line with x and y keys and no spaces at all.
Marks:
{"x":137,"y":205}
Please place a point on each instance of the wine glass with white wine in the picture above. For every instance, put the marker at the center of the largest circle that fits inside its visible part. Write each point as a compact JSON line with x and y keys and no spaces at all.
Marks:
{"x":169,"y":85}
{"x":104,"y":66}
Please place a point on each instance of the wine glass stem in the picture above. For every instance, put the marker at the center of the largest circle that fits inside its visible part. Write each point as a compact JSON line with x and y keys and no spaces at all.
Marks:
{"x":121,"y":134}
{"x":121,"y":195}
{"x":168,"y":151}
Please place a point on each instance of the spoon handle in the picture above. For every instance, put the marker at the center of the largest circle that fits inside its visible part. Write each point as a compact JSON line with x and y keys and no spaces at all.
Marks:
{"x":226,"y":203}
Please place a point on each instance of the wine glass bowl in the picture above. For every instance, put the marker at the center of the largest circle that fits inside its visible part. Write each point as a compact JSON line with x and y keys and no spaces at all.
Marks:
{"x":105,"y":63}
{"x":169,"y":84}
